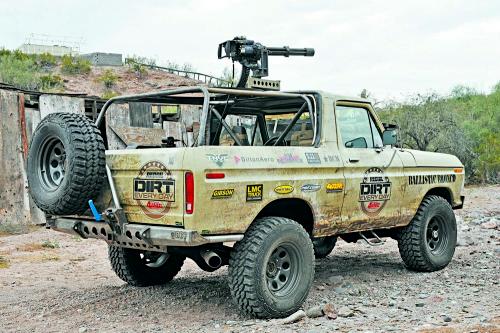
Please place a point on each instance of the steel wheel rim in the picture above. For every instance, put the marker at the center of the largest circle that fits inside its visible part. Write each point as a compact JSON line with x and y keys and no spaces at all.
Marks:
{"x":437,"y":235}
{"x":282,"y":270}
{"x":52,"y":163}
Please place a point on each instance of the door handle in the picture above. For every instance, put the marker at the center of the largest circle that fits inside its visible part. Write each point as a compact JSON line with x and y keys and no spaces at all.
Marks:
{"x":353,"y":159}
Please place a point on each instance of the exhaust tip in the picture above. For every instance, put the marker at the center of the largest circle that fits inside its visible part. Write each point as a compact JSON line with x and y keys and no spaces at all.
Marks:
{"x":212,"y":259}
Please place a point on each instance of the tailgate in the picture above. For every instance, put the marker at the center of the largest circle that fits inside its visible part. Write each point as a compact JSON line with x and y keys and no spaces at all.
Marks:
{"x":150,"y":184}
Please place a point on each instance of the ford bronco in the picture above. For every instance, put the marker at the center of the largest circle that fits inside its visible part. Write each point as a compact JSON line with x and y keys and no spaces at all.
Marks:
{"x":262,"y":181}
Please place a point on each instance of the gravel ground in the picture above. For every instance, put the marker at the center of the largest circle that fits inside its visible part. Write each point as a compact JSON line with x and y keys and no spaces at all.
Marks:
{"x":51,"y":282}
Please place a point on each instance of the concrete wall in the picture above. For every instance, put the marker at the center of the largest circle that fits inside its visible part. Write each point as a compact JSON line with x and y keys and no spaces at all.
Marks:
{"x":17,"y":125}
{"x":15,"y":204}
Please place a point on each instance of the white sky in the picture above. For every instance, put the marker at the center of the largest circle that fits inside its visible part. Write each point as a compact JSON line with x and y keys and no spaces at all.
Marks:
{"x":392,"y":48}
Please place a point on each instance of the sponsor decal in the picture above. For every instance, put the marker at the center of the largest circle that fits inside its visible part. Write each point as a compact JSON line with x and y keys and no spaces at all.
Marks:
{"x":154,"y":189}
{"x":289,"y":158}
{"x":334,"y":187}
{"x":331,"y":158}
{"x":313,"y":158}
{"x":374,"y":191}
{"x":431,"y":179}
{"x":310,"y":188}
{"x":283,"y":189}
{"x":218,"y":159}
{"x":223,"y":194}
{"x":251,"y":159}
{"x":254,"y":192}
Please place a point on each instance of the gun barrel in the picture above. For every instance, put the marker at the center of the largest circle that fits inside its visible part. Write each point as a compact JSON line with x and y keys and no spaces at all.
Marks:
{"x":287,"y":51}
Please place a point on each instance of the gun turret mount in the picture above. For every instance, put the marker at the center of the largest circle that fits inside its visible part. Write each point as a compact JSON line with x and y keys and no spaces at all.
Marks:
{"x":254,"y":56}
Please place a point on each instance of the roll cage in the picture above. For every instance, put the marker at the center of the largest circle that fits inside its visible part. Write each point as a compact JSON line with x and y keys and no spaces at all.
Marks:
{"x":221,"y":102}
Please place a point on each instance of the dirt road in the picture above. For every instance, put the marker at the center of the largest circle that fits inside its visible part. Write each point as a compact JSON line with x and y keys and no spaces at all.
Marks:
{"x":51,"y":282}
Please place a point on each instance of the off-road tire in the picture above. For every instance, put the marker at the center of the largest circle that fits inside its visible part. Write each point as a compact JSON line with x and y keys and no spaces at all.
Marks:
{"x":251,"y":260}
{"x":414,"y":241}
{"x":323,"y":246}
{"x":129,"y":267}
{"x":82,"y":161}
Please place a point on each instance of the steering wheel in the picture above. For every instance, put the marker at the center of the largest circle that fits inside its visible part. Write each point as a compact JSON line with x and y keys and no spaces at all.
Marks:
{"x":271,"y":141}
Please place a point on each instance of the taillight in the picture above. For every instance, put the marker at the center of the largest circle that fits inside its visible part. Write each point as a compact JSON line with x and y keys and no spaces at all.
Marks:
{"x":189,"y":183}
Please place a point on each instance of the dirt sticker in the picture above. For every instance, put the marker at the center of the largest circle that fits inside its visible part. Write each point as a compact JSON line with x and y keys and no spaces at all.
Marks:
{"x":223,"y":194}
{"x":154,"y":189}
{"x":374,"y":191}
{"x":283,"y":189}
{"x":334,"y":187}
{"x":254,"y":192}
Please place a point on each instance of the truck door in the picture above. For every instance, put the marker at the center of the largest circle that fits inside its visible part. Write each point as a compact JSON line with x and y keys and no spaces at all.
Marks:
{"x":373,"y":173}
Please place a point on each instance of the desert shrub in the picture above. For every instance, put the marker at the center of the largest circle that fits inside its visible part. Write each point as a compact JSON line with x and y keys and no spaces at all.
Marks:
{"x":108,"y":78}
{"x":50,"y":81}
{"x":46,"y":60}
{"x":19,"y":71}
{"x":109,"y":94}
{"x":75,"y":65}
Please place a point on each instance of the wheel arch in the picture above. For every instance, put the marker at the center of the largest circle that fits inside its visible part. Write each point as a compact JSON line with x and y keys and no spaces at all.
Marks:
{"x":296,"y":209}
{"x":443,"y":192}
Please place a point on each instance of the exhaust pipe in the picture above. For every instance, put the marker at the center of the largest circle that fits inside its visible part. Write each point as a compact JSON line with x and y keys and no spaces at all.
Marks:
{"x":212,"y":259}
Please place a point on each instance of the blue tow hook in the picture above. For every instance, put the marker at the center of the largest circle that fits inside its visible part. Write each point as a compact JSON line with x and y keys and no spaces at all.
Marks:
{"x":97,"y":216}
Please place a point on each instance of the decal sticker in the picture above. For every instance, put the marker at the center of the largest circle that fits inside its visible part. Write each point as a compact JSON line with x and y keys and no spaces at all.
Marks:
{"x":154,"y":189}
{"x":251,"y":159}
{"x":223,"y":194}
{"x":310,"y":188}
{"x":218,"y":159}
{"x":331,"y":158}
{"x":313,"y":158}
{"x":374,"y":191}
{"x":334,"y":187}
{"x":283,"y":189}
{"x":254,"y":192}
{"x":431,"y":179}
{"x":289,"y":158}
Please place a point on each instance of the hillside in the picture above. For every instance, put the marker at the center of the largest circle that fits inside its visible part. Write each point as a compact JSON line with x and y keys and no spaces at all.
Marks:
{"x":75,"y":75}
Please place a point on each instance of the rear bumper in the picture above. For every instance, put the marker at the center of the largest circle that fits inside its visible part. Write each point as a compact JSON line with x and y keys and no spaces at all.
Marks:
{"x":143,"y":236}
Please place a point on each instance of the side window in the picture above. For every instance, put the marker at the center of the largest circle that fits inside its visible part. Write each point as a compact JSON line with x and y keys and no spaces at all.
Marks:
{"x":355,"y":127}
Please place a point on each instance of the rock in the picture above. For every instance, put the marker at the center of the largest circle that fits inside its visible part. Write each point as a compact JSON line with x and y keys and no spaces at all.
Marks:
{"x":420,"y":304}
{"x":294,"y":317}
{"x":335,"y":280}
{"x":320,"y":287}
{"x":330,"y":311}
{"x":82,"y":329}
{"x":446,"y":318}
{"x":345,"y":312}
{"x":423,"y":296}
{"x":314,"y":312}
{"x":491,"y":224}
{"x":391,"y":303}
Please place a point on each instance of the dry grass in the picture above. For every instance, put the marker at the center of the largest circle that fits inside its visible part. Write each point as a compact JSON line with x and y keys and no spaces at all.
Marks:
{"x":37,"y":258}
{"x":16,"y":229}
{"x":4,"y":262}
{"x":30,"y":247}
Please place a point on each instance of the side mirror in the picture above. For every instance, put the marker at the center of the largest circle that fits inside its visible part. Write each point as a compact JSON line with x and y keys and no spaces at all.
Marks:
{"x":357,"y":143}
{"x":390,"y":135}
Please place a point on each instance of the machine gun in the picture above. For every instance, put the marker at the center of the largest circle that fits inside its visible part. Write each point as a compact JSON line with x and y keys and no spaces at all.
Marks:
{"x":254,"y":56}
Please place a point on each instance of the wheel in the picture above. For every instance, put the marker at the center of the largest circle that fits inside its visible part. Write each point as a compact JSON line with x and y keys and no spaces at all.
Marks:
{"x":428,"y":243}
{"x":271,"y":269}
{"x":323,"y":246}
{"x":144,"y":268}
{"x":66,"y":164}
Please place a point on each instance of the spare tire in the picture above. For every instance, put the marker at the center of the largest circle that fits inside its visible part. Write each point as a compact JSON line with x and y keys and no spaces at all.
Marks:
{"x":66,"y":164}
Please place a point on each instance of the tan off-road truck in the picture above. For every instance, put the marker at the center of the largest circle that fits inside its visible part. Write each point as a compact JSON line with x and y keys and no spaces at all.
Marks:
{"x":262,"y":181}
